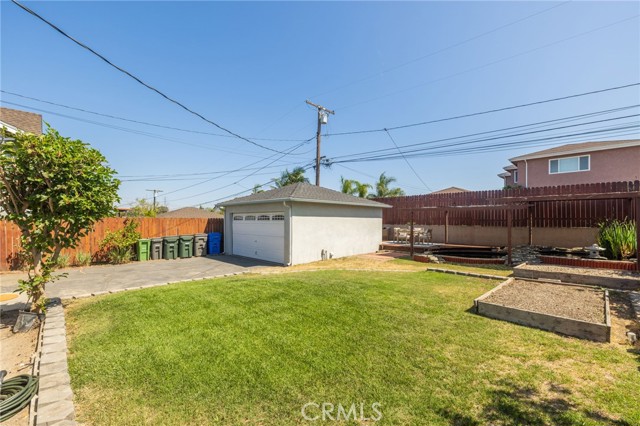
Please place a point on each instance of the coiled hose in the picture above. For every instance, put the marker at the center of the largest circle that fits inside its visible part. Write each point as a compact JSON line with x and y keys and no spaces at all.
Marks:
{"x":15,"y":394}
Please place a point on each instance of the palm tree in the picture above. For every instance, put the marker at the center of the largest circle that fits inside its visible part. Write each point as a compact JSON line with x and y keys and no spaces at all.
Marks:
{"x":347,"y":187}
{"x":383,"y":190}
{"x":362,"y":189}
{"x":289,"y":177}
{"x":257,"y":188}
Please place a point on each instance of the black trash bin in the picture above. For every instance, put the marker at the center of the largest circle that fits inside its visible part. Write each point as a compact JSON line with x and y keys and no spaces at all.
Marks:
{"x":170,"y":247}
{"x":156,"y":248}
{"x":200,"y":245}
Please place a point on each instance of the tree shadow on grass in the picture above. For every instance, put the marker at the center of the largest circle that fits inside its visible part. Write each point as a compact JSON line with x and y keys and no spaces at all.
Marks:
{"x":514,"y":405}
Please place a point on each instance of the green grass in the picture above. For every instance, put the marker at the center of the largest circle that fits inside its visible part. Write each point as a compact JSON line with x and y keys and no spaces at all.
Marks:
{"x":254,"y":349}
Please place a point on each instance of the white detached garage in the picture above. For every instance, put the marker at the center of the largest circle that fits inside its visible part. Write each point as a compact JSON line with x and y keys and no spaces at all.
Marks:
{"x":301,"y":223}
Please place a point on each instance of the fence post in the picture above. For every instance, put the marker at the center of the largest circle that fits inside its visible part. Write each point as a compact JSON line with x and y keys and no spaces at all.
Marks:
{"x":446,"y":226}
{"x":530,"y":223}
{"x":411,"y":235}
{"x":637,"y":232}
{"x":509,"y":225}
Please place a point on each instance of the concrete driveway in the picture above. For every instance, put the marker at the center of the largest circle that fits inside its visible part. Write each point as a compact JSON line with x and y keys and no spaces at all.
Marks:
{"x":99,"y":278}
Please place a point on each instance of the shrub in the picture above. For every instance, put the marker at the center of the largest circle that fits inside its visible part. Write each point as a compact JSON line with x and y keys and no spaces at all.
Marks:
{"x":618,"y":238}
{"x":62,"y":261}
{"x":118,"y":244}
{"x":83,"y":259}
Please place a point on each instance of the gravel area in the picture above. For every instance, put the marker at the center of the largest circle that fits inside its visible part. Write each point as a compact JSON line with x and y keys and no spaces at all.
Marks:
{"x":585,"y":271}
{"x":579,"y":303}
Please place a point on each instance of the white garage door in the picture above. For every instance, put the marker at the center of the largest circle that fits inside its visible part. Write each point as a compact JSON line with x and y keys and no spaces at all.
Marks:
{"x":259,"y":235}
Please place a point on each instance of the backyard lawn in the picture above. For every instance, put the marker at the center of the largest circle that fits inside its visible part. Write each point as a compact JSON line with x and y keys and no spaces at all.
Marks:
{"x":254,"y":349}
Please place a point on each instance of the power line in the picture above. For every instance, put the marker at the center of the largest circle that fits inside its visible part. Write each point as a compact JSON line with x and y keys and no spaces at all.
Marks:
{"x":407,"y":161}
{"x":485,"y":148}
{"x":140,"y":81}
{"x":490,"y":111}
{"x":569,"y":118}
{"x":146,"y":123}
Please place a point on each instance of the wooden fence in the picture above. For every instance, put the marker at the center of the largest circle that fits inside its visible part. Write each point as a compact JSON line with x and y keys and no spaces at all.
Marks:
{"x":148,"y":227}
{"x":546,"y":214}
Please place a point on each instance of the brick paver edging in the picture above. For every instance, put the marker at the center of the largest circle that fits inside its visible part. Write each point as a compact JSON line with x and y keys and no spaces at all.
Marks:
{"x":467,"y":274}
{"x":54,"y":402}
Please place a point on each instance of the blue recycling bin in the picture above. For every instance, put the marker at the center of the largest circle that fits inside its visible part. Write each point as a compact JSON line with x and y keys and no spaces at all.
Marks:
{"x":213,"y":243}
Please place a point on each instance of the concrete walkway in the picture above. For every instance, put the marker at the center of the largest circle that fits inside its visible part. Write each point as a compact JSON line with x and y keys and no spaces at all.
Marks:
{"x":99,"y":278}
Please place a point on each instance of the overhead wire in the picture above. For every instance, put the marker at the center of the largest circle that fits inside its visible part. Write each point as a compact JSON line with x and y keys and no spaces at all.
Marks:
{"x":407,"y":161}
{"x":139,"y":80}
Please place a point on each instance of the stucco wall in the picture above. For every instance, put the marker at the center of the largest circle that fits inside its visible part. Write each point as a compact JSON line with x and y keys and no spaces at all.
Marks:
{"x":497,"y":236}
{"x":255,"y":208}
{"x":341,"y":230}
{"x":615,"y":165}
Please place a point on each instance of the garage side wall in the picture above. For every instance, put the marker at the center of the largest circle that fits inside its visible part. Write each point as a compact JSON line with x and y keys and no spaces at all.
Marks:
{"x":255,"y":208}
{"x":341,"y":230}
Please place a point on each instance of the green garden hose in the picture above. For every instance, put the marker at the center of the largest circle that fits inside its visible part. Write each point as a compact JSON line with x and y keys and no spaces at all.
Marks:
{"x":15,"y":394}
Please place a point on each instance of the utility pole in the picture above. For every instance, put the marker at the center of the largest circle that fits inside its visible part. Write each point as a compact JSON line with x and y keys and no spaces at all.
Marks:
{"x":155,"y":191}
{"x":323,"y":116}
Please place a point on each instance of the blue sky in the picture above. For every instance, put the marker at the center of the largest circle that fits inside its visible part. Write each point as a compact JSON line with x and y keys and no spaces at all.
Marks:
{"x":250,"y":66}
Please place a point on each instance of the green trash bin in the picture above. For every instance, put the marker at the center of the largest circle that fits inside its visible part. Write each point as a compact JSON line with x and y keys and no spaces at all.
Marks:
{"x":170,"y":248}
{"x":185,"y":248}
{"x":143,"y":249}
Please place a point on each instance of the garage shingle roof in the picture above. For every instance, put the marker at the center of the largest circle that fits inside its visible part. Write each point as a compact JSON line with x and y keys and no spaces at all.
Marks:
{"x":304,"y":192}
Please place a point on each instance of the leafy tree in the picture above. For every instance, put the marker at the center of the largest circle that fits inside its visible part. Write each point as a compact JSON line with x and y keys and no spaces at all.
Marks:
{"x":382,"y":187}
{"x":54,"y":189}
{"x":289,"y":177}
{"x":144,"y":208}
{"x":118,"y":244}
{"x":362,"y":189}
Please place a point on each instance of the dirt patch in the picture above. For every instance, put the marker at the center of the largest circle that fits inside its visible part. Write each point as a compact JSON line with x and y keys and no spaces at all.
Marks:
{"x":622,"y":318}
{"x":586,"y":271}
{"x":573,"y":302}
{"x":373,"y":261}
{"x":16,"y":356}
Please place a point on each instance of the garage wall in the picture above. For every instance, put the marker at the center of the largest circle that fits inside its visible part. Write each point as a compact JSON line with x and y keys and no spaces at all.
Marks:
{"x":255,"y":208}
{"x":341,"y":230}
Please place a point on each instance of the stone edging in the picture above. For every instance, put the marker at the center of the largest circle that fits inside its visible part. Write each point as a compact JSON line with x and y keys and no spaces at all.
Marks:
{"x":467,"y":274}
{"x":54,"y":403}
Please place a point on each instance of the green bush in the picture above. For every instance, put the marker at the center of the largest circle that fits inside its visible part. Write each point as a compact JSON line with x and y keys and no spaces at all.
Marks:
{"x":83,"y":259}
{"x":62,"y":261}
{"x":618,"y":238}
{"x":118,"y":245}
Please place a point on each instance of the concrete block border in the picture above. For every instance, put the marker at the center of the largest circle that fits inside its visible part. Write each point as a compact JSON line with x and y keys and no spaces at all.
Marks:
{"x":569,"y":275}
{"x":634,"y":296}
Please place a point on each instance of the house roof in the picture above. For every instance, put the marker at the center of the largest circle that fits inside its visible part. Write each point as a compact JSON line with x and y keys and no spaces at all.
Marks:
{"x":504,"y":175}
{"x":450,"y":190}
{"x":192,"y":213}
{"x":578,"y":148}
{"x":304,"y":192}
{"x":22,"y":120}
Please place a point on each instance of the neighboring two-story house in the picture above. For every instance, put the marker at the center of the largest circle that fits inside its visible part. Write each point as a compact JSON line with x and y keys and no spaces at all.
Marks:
{"x":587,"y":162}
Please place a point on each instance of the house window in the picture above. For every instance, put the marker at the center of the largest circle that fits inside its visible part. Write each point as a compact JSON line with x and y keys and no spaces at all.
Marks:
{"x":515,"y":176}
{"x":570,"y":164}
{"x":264,"y":217}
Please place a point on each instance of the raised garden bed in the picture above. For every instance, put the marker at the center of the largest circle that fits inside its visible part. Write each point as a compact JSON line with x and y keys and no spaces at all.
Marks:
{"x":589,"y":263}
{"x":458,"y":259}
{"x":615,"y":279}
{"x":572,"y":310}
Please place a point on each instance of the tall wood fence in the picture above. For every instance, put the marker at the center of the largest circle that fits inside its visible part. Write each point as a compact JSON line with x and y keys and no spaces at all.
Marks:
{"x":546,"y":214}
{"x":148,"y":228}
